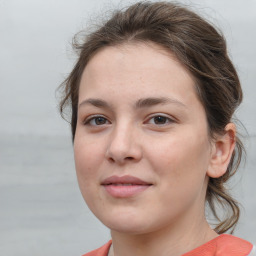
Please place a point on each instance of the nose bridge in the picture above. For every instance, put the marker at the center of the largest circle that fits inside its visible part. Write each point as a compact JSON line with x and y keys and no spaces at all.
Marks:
{"x":123,"y":144}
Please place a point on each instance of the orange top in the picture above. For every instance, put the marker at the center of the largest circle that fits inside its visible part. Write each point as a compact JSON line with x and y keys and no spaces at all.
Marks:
{"x":102,"y":251}
{"x":223,"y":245}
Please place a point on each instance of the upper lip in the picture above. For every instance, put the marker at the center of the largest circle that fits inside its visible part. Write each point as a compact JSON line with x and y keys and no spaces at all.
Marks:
{"x":127,"y":179}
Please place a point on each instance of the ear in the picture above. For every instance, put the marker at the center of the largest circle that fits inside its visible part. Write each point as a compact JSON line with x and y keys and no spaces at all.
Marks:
{"x":222,"y":151}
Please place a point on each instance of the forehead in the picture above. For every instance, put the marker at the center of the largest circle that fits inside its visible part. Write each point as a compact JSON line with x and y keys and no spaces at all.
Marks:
{"x":129,"y":55}
{"x":137,"y":70}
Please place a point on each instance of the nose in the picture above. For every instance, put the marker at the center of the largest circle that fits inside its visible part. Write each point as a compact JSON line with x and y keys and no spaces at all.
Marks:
{"x":124,"y":145}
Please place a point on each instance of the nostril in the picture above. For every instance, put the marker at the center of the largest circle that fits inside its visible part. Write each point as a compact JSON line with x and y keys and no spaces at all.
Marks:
{"x":129,"y":158}
{"x":111,"y":160}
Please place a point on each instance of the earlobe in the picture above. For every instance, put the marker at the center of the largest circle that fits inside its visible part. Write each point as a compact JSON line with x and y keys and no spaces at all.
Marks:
{"x":222,"y":151}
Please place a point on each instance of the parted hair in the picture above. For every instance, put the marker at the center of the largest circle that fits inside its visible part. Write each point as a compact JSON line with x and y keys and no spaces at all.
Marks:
{"x":201,"y":48}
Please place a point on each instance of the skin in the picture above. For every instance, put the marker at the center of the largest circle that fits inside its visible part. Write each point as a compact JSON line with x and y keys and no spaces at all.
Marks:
{"x":175,"y":155}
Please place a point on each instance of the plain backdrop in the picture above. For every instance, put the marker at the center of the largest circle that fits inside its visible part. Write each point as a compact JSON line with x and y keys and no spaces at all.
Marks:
{"x":41,"y":209}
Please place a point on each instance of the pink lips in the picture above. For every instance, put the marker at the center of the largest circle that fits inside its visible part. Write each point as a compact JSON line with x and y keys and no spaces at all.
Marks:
{"x":125,"y":186}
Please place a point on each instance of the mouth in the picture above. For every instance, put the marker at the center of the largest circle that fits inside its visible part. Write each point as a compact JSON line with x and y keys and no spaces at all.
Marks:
{"x":124,"y":186}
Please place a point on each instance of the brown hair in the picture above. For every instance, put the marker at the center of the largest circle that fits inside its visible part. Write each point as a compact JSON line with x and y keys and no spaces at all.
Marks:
{"x":201,"y":49}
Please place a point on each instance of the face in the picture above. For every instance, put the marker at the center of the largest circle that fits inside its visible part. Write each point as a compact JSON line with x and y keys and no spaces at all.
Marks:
{"x":141,"y":145}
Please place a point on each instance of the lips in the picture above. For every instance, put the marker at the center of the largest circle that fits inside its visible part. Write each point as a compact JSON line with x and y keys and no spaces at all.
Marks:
{"x":124,"y":186}
{"x":114,"y":180}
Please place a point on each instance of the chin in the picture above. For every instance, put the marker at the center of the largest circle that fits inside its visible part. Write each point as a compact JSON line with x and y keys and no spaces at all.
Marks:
{"x":128,"y":228}
{"x":124,"y":223}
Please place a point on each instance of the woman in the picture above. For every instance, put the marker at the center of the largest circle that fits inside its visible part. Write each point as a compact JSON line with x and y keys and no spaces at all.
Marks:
{"x":152,"y":97}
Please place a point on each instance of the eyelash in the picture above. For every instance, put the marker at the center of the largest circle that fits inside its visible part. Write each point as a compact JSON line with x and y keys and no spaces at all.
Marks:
{"x":88,"y":121}
{"x":167,"y":120}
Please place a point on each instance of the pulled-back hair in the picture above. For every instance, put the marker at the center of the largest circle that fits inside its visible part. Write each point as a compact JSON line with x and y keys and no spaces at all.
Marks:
{"x":202,"y":51}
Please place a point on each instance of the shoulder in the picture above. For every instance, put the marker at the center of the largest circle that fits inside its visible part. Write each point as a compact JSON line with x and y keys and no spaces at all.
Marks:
{"x":102,"y":251}
{"x":224,"y":245}
{"x":232,"y":245}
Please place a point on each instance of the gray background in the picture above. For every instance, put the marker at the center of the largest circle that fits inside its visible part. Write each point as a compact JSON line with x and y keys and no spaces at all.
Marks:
{"x":41,"y":210}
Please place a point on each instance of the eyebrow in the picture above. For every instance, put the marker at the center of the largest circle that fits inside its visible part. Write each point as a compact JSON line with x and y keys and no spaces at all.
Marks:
{"x":141,"y":103}
{"x":152,"y":101}
{"x":95,"y":102}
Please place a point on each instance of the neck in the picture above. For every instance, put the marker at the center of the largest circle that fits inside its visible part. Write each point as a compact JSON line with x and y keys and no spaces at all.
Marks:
{"x":173,"y":240}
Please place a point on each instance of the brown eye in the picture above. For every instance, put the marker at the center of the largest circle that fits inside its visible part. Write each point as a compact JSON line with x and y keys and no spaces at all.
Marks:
{"x":96,"y":121}
{"x":100,"y":120}
{"x":160,"y":120}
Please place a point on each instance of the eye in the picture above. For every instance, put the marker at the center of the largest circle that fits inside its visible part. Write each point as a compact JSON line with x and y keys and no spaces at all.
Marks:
{"x":160,"y":120}
{"x":96,"y":121}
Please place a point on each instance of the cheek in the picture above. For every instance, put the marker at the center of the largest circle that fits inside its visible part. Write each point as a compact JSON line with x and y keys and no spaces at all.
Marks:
{"x":181,"y":165}
{"x":87,"y":164}
{"x":87,"y":159}
{"x":179,"y":155}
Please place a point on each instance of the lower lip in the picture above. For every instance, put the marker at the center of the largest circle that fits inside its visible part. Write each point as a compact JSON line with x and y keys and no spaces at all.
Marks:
{"x":125,"y":191}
